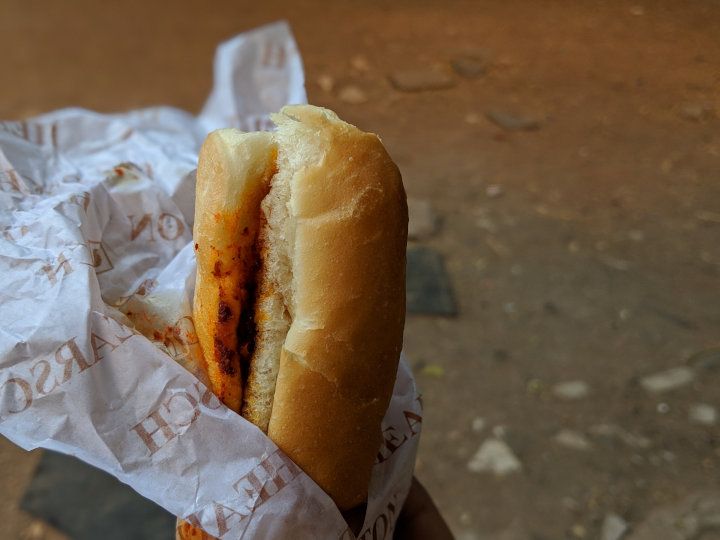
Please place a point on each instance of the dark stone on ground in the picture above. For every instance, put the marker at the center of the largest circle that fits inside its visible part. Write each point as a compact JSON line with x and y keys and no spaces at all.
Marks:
{"x":428,"y":286}
{"x":86,"y":503}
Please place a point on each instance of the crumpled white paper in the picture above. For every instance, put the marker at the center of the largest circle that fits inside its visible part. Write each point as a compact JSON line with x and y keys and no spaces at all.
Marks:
{"x":95,"y":312}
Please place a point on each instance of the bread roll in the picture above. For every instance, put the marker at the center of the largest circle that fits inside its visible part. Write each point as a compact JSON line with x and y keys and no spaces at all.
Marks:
{"x":337,"y":217}
{"x":301,"y":234}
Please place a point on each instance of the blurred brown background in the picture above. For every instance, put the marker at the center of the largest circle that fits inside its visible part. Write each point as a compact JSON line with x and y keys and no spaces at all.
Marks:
{"x":568,"y":170}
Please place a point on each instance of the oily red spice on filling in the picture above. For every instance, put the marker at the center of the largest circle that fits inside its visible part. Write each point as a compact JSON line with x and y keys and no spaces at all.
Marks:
{"x":225,"y":357}
{"x":247,"y":329}
{"x":224,"y":312}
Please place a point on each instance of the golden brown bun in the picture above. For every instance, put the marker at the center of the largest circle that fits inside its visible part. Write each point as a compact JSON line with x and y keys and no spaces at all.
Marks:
{"x":346,"y":227}
{"x":329,"y":256}
{"x":233,"y":175}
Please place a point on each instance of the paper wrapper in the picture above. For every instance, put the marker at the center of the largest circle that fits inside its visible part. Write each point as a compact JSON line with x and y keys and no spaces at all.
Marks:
{"x":97,"y":346}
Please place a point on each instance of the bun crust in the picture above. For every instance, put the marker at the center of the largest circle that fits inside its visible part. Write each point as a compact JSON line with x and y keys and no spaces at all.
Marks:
{"x":347,"y":221}
{"x":233,"y":176}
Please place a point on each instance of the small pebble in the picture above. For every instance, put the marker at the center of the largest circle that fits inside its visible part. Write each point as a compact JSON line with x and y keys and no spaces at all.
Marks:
{"x":469,"y":66}
{"x":478,"y":424}
{"x":572,"y":439}
{"x":703,"y":414}
{"x":667,"y":380}
{"x":419,"y":80}
{"x":360,"y":63}
{"x":352,"y":94}
{"x":512,"y":121}
{"x":663,"y":408}
{"x":571,"y":390}
{"x":326,"y":83}
{"x":611,"y":430}
{"x":494,"y":190}
{"x":615,"y":263}
{"x":495,"y":456}
{"x":613,"y":527}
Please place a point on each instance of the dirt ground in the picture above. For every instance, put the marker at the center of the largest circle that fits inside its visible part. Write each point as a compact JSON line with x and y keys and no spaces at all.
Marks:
{"x":581,"y":242}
